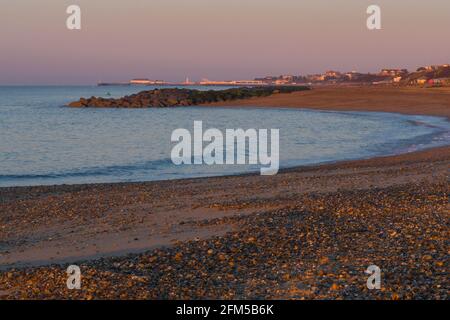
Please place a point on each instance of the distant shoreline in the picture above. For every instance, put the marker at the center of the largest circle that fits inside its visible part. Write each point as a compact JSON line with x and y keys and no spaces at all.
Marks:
{"x":404,"y":100}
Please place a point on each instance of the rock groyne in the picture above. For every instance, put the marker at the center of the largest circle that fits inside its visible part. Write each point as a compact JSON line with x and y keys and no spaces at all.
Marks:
{"x":172,"y":97}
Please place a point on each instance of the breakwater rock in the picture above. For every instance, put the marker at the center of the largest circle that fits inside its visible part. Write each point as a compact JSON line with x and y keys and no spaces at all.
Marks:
{"x":172,"y":97}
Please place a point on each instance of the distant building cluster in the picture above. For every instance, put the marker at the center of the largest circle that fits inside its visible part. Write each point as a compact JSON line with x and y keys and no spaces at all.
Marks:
{"x":146,"y":82}
{"x":429,"y":75}
{"x":335,"y":77}
{"x":436,"y":75}
{"x":206,"y":82}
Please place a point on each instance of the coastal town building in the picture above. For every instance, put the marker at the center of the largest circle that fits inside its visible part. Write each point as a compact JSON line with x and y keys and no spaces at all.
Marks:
{"x":422,"y":80}
{"x":206,"y":82}
{"x":431,"y":68}
{"x":140,"y":81}
{"x":146,"y":82}
{"x":393,"y":72}
{"x":281,"y":82}
{"x":288,"y":78}
{"x":332,"y":74}
{"x":353,"y":75}
{"x":439,"y":81}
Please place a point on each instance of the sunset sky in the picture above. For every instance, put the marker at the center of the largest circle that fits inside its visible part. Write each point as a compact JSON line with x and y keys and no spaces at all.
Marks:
{"x":214,"y":39}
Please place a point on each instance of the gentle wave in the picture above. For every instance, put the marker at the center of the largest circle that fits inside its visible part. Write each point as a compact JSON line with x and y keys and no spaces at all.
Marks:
{"x":96,"y":171}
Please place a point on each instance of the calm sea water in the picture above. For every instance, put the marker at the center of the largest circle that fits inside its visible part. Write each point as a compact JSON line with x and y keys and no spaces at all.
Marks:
{"x":43,"y":142}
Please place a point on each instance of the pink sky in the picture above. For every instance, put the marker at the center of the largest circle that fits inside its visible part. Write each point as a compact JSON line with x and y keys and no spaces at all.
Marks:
{"x":215,"y":39}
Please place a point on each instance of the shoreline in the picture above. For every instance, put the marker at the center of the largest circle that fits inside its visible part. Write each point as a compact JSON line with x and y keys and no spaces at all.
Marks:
{"x":306,"y":167}
{"x":332,"y":220}
{"x":282,"y":169}
{"x":7,"y":194}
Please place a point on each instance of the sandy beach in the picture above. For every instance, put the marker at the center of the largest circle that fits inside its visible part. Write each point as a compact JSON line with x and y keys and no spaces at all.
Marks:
{"x":306,"y":233}
{"x":406,"y":100}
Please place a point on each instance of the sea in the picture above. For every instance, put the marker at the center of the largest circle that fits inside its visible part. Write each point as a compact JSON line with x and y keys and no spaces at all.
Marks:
{"x":44,"y":142}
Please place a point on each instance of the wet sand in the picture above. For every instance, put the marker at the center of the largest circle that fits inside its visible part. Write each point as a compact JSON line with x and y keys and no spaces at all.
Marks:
{"x":307,"y":232}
